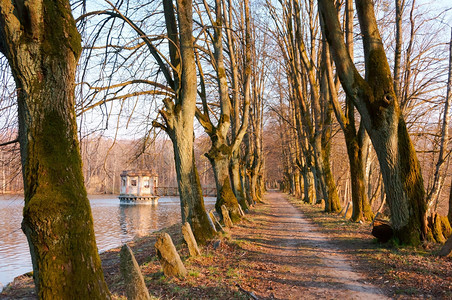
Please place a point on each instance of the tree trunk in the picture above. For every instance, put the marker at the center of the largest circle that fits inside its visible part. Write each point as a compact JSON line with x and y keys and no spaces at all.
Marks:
{"x":308,"y":185}
{"x":235,"y":176}
{"x":297,"y":185}
{"x":355,"y":141}
{"x":249,"y":158}
{"x":225,"y":195}
{"x":399,"y":5}
{"x":375,"y":100}
{"x":179,"y":117}
{"x":192,"y":201}
{"x":361,"y":207}
{"x":220,"y":152}
{"x":42,"y":45}
{"x":449,"y":212}
{"x":237,"y":180}
{"x":332,"y":203}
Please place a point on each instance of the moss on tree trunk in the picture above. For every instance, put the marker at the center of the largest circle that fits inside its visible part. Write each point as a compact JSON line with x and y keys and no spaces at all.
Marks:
{"x":192,"y":201}
{"x":308,"y":186}
{"x":237,"y":181}
{"x":42,"y":45}
{"x":220,"y":158}
{"x":57,"y":214}
{"x":332,"y":203}
{"x":375,"y":99}
{"x":361,"y":207}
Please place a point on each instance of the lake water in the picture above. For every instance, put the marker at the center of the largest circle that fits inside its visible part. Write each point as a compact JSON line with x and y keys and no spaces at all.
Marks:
{"x":114,"y":224}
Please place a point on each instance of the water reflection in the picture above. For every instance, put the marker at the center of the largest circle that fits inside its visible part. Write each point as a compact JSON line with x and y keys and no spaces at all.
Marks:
{"x":137,"y":220}
{"x":114,"y":224}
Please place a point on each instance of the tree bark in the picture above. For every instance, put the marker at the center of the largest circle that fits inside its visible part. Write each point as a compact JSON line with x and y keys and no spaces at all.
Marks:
{"x":399,"y":5}
{"x":376,"y":101}
{"x":236,"y":161}
{"x":332,"y":203}
{"x":449,"y":212}
{"x":220,"y":152}
{"x":179,"y":116}
{"x":42,"y":45}
{"x":361,"y":207}
{"x":355,"y":141}
{"x":236,"y":179}
{"x":225,"y":195}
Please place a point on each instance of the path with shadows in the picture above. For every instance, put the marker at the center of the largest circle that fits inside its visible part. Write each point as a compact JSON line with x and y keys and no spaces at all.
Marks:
{"x":289,"y":258}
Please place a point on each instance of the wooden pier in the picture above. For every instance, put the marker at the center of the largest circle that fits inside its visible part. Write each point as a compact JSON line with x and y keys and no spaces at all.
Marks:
{"x":174,"y":191}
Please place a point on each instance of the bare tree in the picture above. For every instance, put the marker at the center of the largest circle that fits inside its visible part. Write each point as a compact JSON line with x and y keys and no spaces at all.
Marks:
{"x":42,"y":45}
{"x":178,"y":89}
{"x":356,"y":140}
{"x":221,"y":150}
{"x":178,"y":117}
{"x":376,"y":101}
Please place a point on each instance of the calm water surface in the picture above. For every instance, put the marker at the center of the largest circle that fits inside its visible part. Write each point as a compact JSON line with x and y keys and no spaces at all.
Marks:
{"x":114,"y":224}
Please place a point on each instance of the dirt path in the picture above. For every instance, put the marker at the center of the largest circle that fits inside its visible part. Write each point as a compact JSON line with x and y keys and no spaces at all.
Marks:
{"x":291,"y":259}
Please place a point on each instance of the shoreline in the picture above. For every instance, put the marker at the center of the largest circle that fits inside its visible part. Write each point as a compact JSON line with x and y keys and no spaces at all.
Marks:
{"x":114,"y":225}
{"x":102,"y":253}
{"x":22,"y":286}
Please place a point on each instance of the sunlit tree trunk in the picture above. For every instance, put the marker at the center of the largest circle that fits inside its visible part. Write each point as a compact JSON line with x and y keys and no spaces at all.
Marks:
{"x":221,"y":150}
{"x":399,"y":6}
{"x":376,"y":101}
{"x":249,"y":159}
{"x":355,"y":141}
{"x":333,"y":203}
{"x":293,"y":135}
{"x":236,"y":160}
{"x":361,"y":206}
{"x":42,"y":44}
{"x":236,"y":178}
{"x":179,"y":116}
{"x":449,"y":213}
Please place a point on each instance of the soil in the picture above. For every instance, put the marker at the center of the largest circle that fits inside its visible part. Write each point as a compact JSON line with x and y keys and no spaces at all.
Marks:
{"x":283,"y":249}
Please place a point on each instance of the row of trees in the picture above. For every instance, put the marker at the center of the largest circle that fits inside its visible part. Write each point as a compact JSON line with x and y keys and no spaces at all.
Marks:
{"x":372,"y":102}
{"x":230,"y":90}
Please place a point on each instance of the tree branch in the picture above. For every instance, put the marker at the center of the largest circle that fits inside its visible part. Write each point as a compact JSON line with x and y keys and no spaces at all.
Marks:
{"x":348,"y":74}
{"x":9,"y":142}
{"x":154,"y":52}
